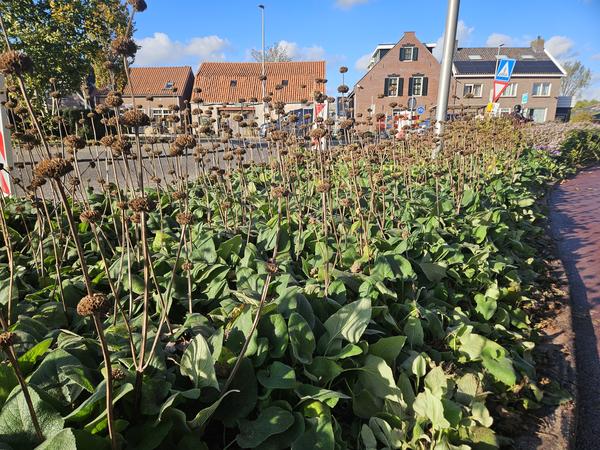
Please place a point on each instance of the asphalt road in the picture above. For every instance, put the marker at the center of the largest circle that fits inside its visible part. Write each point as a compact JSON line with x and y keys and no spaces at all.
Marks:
{"x":575,"y":223}
{"x":92,"y":165}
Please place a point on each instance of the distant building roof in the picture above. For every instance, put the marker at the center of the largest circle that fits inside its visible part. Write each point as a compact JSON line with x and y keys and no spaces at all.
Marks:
{"x":159,"y":81}
{"x":482,"y":61}
{"x":224,"y":82}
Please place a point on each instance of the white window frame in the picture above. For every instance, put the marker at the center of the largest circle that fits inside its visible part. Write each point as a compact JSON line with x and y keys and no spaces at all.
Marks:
{"x":420,"y":94}
{"x":397,"y":86}
{"x":412,"y":50}
{"x":541,"y":83}
{"x":505,"y":111}
{"x":159,"y":112}
{"x":472,"y":85}
{"x":506,"y":91}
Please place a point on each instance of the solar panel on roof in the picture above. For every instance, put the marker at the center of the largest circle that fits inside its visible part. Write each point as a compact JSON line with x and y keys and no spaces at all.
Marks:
{"x":489,"y":67}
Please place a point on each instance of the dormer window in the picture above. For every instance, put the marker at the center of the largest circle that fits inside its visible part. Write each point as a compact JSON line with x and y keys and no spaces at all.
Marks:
{"x":409,"y":53}
{"x":284,"y":82}
{"x":233,"y":83}
{"x":527,"y":56}
{"x":474,"y":56}
{"x":169,"y":85}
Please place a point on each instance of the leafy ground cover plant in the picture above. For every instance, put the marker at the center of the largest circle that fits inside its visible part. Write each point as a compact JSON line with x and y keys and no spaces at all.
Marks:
{"x":297,"y":295}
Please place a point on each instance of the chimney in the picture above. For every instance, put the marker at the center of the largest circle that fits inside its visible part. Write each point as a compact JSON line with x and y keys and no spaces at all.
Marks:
{"x":538,"y":44}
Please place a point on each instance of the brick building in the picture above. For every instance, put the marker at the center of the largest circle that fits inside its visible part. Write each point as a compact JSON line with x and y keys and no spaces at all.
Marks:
{"x":236,"y":88}
{"x":396,"y":73}
{"x":156,"y":89}
{"x":535,"y":83}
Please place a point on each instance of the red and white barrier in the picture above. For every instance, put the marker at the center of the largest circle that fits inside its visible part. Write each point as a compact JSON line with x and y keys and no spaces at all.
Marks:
{"x":5,"y":146}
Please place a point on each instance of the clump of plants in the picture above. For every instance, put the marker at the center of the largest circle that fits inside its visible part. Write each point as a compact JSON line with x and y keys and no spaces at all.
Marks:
{"x":203,"y":289}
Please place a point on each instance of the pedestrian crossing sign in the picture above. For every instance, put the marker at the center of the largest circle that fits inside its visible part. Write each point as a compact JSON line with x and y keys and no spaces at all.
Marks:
{"x":505,"y":69}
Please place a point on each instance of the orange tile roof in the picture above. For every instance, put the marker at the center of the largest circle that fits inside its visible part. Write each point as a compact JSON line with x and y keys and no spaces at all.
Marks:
{"x":215,"y":80}
{"x":153,"y":80}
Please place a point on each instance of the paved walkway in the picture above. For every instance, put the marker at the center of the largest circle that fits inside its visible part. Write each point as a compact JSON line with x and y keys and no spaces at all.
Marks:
{"x":575,"y":222}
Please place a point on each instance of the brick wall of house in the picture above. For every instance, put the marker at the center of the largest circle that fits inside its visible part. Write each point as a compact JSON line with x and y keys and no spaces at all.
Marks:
{"x":371,"y":86}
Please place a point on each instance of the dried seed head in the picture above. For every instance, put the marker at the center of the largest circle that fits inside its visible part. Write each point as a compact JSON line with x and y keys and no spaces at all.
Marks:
{"x":74,"y":142}
{"x":185,"y":218}
{"x":124,"y":46}
{"x":53,"y":168}
{"x":90,"y":216}
{"x":7,"y":339}
{"x":15,"y":62}
{"x":93,"y":304}
{"x":114,"y":99}
{"x":187,"y":266}
{"x":179,"y":195}
{"x":138,"y":5}
{"x":272,"y":266}
{"x":117,"y":374}
{"x":135,"y":118}
{"x":141,"y":204}
{"x":323,"y":186}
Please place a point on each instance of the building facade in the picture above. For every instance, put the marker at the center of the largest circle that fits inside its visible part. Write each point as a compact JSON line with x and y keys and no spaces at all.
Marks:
{"x":224,"y":90}
{"x":534,"y":85}
{"x":157,"y":90}
{"x":397,"y":73}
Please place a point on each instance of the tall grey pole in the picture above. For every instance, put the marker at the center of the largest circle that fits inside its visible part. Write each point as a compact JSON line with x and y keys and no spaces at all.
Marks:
{"x":263,"y":81}
{"x":446,"y":72}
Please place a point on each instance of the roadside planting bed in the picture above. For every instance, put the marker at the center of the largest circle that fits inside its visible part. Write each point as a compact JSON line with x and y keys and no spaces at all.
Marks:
{"x":362,"y":296}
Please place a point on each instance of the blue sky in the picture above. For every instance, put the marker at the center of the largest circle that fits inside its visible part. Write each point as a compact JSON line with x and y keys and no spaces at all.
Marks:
{"x":343,"y":32}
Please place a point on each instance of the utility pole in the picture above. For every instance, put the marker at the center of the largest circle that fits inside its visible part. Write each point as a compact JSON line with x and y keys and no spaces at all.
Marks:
{"x":446,"y":72}
{"x":263,"y":81}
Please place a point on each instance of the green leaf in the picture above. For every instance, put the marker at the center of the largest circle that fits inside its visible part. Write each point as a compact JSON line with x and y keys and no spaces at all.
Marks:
{"x":349,"y":322}
{"x":437,"y":381}
{"x":434,"y":272}
{"x":323,"y":370}
{"x":8,"y":381}
{"x":318,"y":435}
{"x":16,"y":426}
{"x":377,"y":377}
{"x":197,"y":363}
{"x":302,"y":338}
{"x":413,"y":331}
{"x":388,"y":348}
{"x":277,"y":376}
{"x":429,"y":406}
{"x":51,"y":378}
{"x":272,"y":420}
{"x":63,"y":440}
{"x":28,"y":360}
{"x":274,"y":328}
{"x":205,"y":414}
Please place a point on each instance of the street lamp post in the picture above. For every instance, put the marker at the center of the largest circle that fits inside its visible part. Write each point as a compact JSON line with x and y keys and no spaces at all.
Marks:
{"x":263,"y":71}
{"x":446,"y":72}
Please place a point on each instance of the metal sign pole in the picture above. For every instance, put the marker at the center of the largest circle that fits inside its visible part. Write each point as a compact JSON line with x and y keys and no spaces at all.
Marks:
{"x":6,"y":156}
{"x":446,"y":72}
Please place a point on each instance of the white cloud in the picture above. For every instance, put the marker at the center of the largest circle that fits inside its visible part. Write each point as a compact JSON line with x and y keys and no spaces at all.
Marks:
{"x":346,"y":4}
{"x":362,"y":63}
{"x":560,"y":47}
{"x":595,"y":57}
{"x":463,"y":34}
{"x":294,"y":51}
{"x":592,"y":92}
{"x":160,"y":49}
{"x":495,"y":39}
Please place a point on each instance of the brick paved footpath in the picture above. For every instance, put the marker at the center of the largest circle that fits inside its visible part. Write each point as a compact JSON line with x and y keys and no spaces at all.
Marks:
{"x":575,"y":224}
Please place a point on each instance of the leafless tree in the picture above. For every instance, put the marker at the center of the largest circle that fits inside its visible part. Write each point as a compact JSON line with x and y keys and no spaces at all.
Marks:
{"x":273,"y":53}
{"x":578,"y":77}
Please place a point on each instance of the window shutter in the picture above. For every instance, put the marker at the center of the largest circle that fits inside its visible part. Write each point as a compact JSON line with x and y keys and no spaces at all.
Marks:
{"x":386,"y":87}
{"x":402,"y":54}
{"x":410,"y":86}
{"x":400,"y":87}
{"x":425,"y":83}
{"x":415,"y":53}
